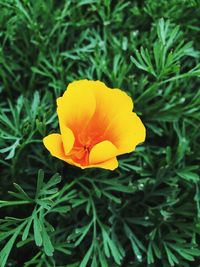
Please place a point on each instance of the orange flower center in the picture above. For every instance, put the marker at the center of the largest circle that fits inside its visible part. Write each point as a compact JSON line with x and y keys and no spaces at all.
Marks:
{"x":81,"y":150}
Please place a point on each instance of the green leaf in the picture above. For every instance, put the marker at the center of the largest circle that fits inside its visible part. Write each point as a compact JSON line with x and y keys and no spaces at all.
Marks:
{"x":171,"y":257}
{"x":48,"y":247}
{"x":7,"y":248}
{"x":110,"y":245}
{"x":83,"y":231}
{"x":11,"y":149}
{"x":102,"y":259}
{"x":37,"y":230}
{"x":39,"y":182}
{"x":22,"y":192}
{"x":112,"y":197}
{"x":86,"y":258}
{"x":188,"y":175}
{"x":150,"y":257}
{"x":55,"y":179}
{"x":35,"y":104}
{"x":27,"y":228}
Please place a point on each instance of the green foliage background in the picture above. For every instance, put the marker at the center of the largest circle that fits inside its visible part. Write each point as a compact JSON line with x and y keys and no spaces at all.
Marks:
{"x":147,"y":212}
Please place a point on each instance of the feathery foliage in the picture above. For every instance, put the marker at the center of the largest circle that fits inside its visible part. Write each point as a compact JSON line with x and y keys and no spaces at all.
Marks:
{"x":147,"y":212}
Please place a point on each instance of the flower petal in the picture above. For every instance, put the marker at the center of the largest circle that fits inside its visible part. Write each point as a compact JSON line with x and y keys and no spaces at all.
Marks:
{"x":126,"y":131}
{"x":94,"y":115}
{"x":53,"y":143}
{"x":110,"y":164}
{"x":67,"y":138}
{"x":102,"y":152}
{"x":109,"y":102}
{"x":77,"y":106}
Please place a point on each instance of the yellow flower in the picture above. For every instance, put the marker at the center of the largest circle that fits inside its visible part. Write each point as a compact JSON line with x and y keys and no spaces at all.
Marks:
{"x":96,"y":124}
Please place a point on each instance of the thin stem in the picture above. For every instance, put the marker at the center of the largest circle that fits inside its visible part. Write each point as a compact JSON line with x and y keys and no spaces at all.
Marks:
{"x":13,"y":203}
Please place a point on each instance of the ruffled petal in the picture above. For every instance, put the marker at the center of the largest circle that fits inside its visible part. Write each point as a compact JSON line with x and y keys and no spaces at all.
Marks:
{"x":102,"y":152}
{"x":126,"y":131}
{"x":54,"y":144}
{"x":110,"y":164}
{"x":77,"y":106}
{"x":109,"y":102}
{"x":67,"y":138}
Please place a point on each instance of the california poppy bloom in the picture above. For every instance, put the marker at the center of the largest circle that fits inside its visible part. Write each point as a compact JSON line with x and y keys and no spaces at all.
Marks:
{"x":96,"y":125}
